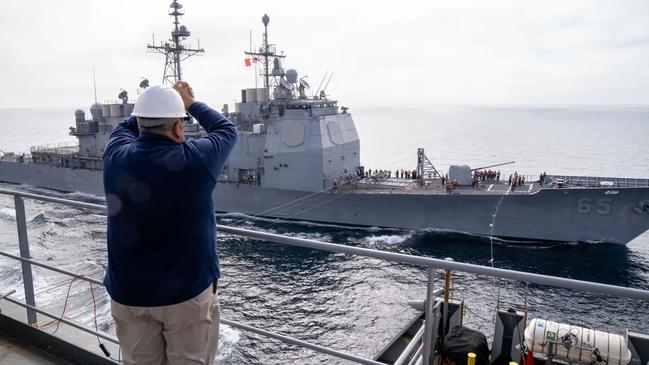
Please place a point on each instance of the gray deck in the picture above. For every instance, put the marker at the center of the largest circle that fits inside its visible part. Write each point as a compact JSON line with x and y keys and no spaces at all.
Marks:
{"x":13,"y":351}
{"x":407,"y":186}
{"x":24,"y":344}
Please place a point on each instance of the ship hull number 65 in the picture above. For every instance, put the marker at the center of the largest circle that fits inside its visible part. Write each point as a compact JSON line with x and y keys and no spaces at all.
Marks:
{"x":600,"y":206}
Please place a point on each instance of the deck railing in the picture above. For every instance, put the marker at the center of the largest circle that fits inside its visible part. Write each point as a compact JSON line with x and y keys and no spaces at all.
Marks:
{"x":599,"y":181}
{"x":422,"y":354}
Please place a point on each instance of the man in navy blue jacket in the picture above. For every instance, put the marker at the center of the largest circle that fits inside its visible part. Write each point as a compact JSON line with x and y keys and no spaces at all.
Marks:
{"x":162,"y":260}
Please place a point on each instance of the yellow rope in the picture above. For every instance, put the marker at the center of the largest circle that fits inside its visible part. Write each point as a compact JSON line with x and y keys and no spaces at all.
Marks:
{"x":41,"y":325}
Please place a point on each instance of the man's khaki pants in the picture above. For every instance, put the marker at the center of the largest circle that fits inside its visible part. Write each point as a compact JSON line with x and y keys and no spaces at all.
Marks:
{"x":183,"y":333}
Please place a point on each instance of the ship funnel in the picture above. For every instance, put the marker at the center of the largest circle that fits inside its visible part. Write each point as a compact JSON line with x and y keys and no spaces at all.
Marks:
{"x":291,"y":76}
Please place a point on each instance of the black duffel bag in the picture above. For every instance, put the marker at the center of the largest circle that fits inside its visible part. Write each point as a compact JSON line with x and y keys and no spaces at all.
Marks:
{"x":460,"y":341}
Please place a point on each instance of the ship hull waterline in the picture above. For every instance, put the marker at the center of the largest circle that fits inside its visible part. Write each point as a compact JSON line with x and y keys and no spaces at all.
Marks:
{"x":613,"y":215}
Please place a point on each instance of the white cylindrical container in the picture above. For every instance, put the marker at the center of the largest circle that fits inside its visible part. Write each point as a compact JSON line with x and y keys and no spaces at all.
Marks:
{"x":116,"y":110}
{"x":262,"y":95}
{"x":128,"y":109}
{"x":105,"y":110}
{"x":251,"y":95}
{"x":575,"y":344}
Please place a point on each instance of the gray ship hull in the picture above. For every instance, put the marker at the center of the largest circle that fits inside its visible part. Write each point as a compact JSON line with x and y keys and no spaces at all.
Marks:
{"x":53,"y":177}
{"x":615,"y":215}
{"x":568,"y":215}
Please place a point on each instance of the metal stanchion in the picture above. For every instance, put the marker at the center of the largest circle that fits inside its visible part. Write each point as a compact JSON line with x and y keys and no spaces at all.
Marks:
{"x":23,"y":241}
{"x":428,"y":317}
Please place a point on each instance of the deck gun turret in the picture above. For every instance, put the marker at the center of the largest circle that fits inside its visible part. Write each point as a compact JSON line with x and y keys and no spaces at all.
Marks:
{"x":463,"y":174}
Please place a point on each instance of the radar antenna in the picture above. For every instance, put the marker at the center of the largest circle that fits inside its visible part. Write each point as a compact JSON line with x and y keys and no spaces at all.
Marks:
{"x":266,"y":52}
{"x":174,"y":51}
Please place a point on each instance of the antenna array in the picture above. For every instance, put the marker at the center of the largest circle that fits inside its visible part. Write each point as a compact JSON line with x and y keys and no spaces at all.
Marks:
{"x":173,"y":49}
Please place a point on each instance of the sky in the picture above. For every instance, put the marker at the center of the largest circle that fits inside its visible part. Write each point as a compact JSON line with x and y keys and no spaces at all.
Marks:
{"x":408,"y":53}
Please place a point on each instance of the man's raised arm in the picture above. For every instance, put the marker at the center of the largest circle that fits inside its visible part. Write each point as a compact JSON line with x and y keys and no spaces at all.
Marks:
{"x":124,"y":133}
{"x":221,"y":132}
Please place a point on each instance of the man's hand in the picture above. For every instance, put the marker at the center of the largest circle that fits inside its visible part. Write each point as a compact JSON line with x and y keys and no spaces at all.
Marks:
{"x":185,"y":92}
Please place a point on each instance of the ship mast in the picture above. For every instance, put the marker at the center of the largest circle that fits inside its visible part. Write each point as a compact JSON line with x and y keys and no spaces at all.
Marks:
{"x":266,"y":52}
{"x":173,"y":49}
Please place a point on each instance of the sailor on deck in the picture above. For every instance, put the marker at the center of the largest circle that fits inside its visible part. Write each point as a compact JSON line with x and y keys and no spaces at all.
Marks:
{"x":162,"y":260}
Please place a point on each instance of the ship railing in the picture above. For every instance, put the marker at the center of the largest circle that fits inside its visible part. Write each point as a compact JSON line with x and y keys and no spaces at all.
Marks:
{"x":418,"y":354}
{"x":601,"y":181}
{"x":580,"y":181}
{"x":15,"y":157}
{"x":64,"y":148}
{"x":113,"y":102}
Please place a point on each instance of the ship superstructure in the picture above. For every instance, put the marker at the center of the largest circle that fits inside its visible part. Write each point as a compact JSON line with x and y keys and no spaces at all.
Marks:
{"x":174,"y":50}
{"x":290,"y":140}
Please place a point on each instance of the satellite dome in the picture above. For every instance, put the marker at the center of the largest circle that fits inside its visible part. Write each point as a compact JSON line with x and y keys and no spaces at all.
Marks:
{"x":181,"y":32}
{"x":291,"y":76}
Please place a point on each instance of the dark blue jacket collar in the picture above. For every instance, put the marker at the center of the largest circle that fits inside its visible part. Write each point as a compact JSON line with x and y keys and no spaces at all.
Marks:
{"x":155,"y":138}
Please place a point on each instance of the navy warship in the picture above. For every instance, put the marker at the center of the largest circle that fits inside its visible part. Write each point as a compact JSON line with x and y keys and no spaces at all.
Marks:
{"x":298,"y":158}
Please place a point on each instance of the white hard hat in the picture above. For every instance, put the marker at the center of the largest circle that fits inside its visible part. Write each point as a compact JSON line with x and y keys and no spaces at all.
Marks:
{"x":160,"y":101}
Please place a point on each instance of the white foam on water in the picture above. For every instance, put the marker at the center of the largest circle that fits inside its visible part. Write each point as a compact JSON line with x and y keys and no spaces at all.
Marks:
{"x":76,"y":195}
{"x":7,"y":213}
{"x":387,"y":239}
{"x":309,"y":236}
{"x":446,"y":230}
{"x":228,"y":340}
{"x":592,"y":242}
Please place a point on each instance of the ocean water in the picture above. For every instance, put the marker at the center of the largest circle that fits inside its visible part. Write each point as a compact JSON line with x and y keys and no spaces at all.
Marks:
{"x":358,"y":304}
